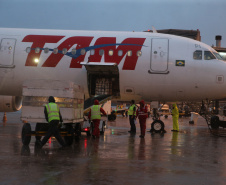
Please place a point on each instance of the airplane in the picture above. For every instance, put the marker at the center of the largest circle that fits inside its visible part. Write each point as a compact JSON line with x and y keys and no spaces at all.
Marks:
{"x":133,"y":65}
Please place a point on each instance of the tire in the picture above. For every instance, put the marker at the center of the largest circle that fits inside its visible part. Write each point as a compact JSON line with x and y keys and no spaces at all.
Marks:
{"x":69,"y":139}
{"x":102,"y":128}
{"x":26,"y":134}
{"x":157,"y":126}
{"x":214,"y":122}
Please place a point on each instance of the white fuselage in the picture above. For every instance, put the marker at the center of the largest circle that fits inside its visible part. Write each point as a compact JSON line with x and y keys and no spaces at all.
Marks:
{"x":162,"y":67}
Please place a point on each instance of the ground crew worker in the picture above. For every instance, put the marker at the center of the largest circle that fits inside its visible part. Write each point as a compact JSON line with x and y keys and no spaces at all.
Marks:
{"x":53,"y":117}
{"x":95,"y":116}
{"x":175,"y":114}
{"x":142,"y":114}
{"x":132,"y":117}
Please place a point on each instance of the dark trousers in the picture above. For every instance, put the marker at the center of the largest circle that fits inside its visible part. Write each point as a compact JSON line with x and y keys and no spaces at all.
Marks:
{"x":96,"y":131}
{"x":53,"y":131}
{"x":132,"y":124}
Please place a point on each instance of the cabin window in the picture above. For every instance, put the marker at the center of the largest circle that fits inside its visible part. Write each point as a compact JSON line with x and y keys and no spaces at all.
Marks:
{"x":92,"y":52}
{"x":139,"y":53}
{"x":120,"y":52}
{"x":55,"y":50}
{"x":208,"y":55}
{"x":111,"y":52}
{"x":28,"y":49}
{"x":129,"y":53}
{"x":46,"y":50}
{"x":197,"y":55}
{"x":101,"y":52}
{"x":73,"y":51}
{"x":37,"y":50}
{"x":64,"y":51}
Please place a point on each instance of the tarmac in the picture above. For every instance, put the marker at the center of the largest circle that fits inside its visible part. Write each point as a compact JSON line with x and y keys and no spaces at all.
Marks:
{"x":191,"y":156}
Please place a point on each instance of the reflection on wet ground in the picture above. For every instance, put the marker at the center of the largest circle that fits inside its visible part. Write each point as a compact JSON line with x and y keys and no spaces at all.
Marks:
{"x":192,"y":156}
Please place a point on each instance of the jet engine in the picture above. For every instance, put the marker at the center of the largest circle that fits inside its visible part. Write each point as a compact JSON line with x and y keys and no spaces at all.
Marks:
{"x":10,"y":103}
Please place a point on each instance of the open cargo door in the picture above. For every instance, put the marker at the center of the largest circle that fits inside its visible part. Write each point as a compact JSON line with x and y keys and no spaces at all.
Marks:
{"x":103,"y":79}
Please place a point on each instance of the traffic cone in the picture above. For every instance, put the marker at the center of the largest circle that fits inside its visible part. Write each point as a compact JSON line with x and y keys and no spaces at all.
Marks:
{"x":4,"y":118}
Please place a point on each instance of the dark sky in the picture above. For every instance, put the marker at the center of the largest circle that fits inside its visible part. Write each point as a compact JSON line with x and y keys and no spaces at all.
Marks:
{"x":118,"y":15}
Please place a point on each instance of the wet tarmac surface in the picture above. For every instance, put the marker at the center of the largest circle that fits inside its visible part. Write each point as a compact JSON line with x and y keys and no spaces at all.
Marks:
{"x":192,"y":156}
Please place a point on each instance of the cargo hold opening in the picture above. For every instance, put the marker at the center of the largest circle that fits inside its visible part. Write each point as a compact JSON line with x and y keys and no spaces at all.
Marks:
{"x":103,"y":79}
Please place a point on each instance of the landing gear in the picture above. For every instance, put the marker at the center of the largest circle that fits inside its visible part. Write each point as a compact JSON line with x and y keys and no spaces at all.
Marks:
{"x":157,"y":126}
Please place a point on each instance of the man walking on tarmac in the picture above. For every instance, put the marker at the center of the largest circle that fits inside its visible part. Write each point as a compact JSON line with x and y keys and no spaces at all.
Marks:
{"x":132,"y":117}
{"x":53,"y":116}
{"x":142,"y":114}
{"x":95,"y":116}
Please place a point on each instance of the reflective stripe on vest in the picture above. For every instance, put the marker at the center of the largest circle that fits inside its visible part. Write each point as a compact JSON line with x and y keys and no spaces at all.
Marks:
{"x":130,"y":111}
{"x":95,"y":112}
{"x":52,"y":111}
{"x":142,"y":113}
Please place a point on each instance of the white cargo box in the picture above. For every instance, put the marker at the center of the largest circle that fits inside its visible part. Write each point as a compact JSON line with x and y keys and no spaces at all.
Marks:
{"x":68,"y":96}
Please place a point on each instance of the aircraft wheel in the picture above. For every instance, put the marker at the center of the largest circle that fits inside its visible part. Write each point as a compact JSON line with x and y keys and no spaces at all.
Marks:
{"x":157,"y":126}
{"x":102,"y":128}
{"x":214,"y":122}
{"x":26,"y":134}
{"x":69,"y":139}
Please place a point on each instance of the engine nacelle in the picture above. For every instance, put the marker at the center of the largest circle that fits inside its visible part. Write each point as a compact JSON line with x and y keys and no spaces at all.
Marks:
{"x":10,"y":103}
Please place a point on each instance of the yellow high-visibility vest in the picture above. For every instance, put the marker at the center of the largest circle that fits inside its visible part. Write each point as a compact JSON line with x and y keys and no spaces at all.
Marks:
{"x":53,"y":111}
{"x":95,"y":112}
{"x":130,"y":111}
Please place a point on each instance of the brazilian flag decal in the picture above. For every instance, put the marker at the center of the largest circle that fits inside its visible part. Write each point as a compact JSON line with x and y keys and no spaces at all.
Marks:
{"x":180,"y":63}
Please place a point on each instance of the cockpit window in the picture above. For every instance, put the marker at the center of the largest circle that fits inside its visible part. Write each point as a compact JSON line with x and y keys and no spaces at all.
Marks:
{"x":218,"y":56}
{"x":197,"y":55}
{"x":208,"y":55}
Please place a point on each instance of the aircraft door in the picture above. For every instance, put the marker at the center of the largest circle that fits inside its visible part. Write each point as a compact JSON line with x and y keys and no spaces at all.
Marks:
{"x":159,"y":56}
{"x":103,"y":79}
{"x":7,"y":52}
